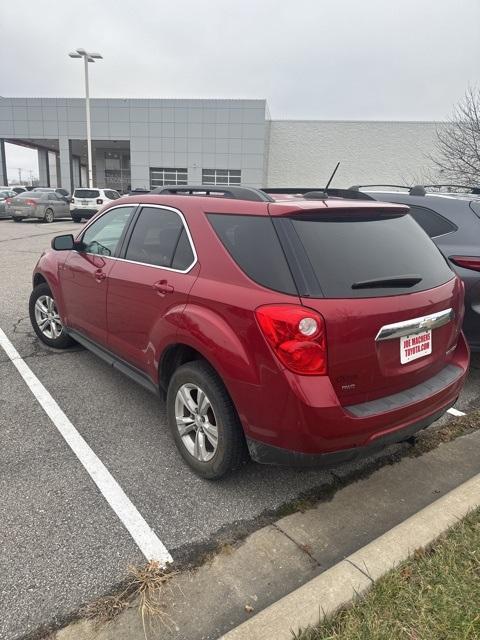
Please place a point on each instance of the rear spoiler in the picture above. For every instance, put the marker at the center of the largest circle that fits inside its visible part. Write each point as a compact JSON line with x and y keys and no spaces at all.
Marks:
{"x":334,"y":208}
{"x":318,"y":193}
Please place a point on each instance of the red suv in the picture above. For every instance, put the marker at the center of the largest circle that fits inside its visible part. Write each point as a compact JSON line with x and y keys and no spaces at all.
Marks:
{"x":298,"y":331}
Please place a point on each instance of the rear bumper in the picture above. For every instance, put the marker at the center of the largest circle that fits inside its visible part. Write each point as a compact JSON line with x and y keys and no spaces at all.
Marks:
{"x":308,"y":425}
{"x":268,"y":454}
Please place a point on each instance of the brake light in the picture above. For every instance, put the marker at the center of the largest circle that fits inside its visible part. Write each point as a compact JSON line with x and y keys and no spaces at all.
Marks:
{"x":31,"y":203}
{"x":99,"y":201}
{"x":8,"y":200}
{"x":297,"y":336}
{"x":467,"y":262}
{"x":72,"y":200}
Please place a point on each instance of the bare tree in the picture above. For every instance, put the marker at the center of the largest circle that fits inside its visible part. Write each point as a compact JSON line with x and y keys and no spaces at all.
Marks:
{"x":457,"y":153}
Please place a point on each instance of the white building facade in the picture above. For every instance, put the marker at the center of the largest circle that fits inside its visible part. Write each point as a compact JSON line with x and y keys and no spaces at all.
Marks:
{"x":146,"y":143}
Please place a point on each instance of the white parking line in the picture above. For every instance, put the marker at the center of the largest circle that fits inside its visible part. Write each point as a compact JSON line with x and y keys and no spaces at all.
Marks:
{"x":146,"y":540}
{"x":456,"y":412}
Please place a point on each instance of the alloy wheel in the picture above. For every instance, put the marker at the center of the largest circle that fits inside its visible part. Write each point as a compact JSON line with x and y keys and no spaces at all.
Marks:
{"x":47,"y":318}
{"x":196,"y":422}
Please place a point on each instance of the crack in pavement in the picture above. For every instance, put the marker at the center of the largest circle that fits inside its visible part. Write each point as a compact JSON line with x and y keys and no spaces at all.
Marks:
{"x":302,"y":547}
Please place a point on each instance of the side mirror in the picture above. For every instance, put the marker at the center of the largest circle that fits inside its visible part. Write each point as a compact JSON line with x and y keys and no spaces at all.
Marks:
{"x":63,"y":243}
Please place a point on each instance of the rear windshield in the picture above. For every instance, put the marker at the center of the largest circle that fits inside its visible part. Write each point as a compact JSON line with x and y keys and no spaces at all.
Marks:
{"x":29,"y":194}
{"x":369,"y":256}
{"x":86,"y":193}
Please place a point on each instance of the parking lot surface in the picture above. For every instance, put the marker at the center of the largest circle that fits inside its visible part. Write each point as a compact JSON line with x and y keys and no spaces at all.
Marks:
{"x":61,"y":542}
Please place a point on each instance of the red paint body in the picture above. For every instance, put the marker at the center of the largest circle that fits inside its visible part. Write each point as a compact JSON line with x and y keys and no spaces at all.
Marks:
{"x":212,"y":309}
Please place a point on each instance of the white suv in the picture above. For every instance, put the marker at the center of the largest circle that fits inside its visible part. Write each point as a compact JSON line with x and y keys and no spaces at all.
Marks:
{"x":86,"y":202}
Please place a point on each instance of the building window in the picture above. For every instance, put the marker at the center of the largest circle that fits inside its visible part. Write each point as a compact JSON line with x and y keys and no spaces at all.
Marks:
{"x":227,"y":177}
{"x":167,"y":177}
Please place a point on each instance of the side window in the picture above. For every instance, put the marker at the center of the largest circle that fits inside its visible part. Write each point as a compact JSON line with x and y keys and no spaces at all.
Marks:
{"x":159,"y":239}
{"x":103,"y":236}
{"x":431,"y":222}
{"x":253,"y":244}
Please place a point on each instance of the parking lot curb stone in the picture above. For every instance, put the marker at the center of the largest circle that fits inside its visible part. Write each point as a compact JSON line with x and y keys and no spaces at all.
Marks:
{"x":353,"y":576}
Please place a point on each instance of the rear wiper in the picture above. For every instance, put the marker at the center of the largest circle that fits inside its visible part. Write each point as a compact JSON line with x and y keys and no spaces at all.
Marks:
{"x":393,"y":281}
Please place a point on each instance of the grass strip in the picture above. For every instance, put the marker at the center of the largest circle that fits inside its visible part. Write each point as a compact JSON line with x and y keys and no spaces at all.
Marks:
{"x":433,"y":596}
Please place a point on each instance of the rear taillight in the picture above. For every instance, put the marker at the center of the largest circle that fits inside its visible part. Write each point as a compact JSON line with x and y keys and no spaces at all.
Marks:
{"x":8,"y":200}
{"x":72,"y":200}
{"x":31,"y":203}
{"x":99,"y":201}
{"x":467,"y":262}
{"x":297,"y":336}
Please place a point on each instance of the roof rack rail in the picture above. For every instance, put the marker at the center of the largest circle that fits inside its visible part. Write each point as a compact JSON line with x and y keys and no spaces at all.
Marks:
{"x":473,"y":190}
{"x":416,"y":190}
{"x":357,"y":187}
{"x":316,"y":193}
{"x":236,"y":193}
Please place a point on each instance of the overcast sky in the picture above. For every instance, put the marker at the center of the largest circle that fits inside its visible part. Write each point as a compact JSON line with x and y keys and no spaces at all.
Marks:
{"x":311,"y":59}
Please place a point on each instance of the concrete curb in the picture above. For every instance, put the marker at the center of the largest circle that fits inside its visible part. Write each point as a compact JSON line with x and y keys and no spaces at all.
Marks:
{"x":354,"y":575}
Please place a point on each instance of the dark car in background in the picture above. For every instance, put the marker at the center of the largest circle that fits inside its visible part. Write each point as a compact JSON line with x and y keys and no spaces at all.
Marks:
{"x":452,"y":220}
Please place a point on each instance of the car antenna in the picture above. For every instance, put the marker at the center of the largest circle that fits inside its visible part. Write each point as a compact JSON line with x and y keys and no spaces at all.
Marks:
{"x":325,"y":191}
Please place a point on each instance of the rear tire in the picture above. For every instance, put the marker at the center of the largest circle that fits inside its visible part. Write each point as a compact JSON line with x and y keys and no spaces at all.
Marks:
{"x":76,"y":218}
{"x":17,"y":219}
{"x":48,"y":216}
{"x":212,"y":443}
{"x":45,"y":318}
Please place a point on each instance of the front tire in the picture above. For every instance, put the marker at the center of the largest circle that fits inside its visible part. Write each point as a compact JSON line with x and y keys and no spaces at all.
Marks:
{"x":48,"y":217}
{"x":45,"y":319}
{"x":204,"y":422}
{"x":76,"y":218}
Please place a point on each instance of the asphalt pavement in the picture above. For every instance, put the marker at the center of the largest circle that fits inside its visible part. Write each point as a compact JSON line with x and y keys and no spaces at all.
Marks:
{"x":61,"y":544}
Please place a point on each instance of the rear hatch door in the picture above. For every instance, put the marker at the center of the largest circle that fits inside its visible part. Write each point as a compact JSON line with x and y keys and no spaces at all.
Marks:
{"x":86,"y":198}
{"x":365,"y":270}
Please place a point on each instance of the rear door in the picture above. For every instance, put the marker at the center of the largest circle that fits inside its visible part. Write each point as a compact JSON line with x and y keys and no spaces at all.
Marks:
{"x":374,"y":270}
{"x":149,"y":286}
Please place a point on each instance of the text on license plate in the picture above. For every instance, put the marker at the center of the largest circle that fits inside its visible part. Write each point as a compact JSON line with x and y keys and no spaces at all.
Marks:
{"x":84,"y":202}
{"x":415,"y":346}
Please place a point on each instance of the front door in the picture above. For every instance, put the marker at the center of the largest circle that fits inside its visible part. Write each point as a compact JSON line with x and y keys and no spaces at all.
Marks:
{"x":86,"y":272}
{"x":149,"y":287}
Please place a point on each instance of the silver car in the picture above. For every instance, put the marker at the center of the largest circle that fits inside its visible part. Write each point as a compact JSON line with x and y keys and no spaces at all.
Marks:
{"x":43,"y":205}
{"x":4,"y":195}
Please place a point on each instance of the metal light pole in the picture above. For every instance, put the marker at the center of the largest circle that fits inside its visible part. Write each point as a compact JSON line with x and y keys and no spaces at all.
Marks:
{"x":87,"y":57}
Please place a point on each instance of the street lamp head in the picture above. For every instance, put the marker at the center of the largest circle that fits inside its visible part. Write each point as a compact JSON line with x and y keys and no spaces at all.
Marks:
{"x":96,"y":55}
{"x":74,"y":55}
{"x":82,"y":52}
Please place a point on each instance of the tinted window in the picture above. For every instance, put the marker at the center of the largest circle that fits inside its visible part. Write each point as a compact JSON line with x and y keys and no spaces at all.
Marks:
{"x":345,"y":251}
{"x":253,"y":244}
{"x":86,"y":193}
{"x":156,"y":238}
{"x":102,"y":237}
{"x":431,"y":222}
{"x":112,"y":195}
{"x":183,"y":257}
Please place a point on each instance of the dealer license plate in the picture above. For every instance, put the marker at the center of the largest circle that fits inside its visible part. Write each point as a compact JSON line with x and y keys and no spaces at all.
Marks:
{"x":415,"y":346}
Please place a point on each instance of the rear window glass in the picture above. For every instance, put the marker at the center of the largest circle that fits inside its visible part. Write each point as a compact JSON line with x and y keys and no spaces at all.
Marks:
{"x":29,"y":194}
{"x":253,"y":244}
{"x":354,"y":257}
{"x":86,"y":193}
{"x":431,"y":222}
{"x":475,"y":207}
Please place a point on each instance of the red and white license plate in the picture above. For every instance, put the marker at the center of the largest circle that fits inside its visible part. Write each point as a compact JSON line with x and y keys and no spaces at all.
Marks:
{"x":415,"y":346}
